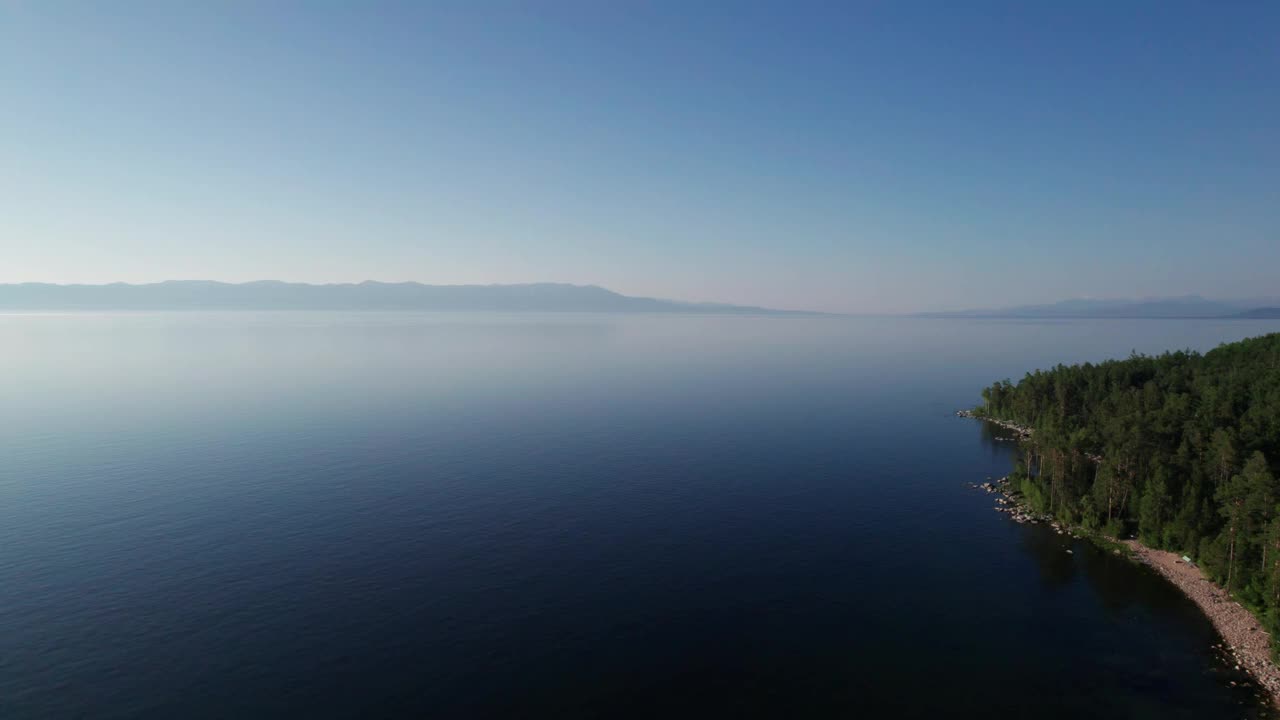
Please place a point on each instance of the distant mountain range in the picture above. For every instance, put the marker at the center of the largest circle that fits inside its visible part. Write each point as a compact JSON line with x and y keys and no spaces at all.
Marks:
{"x":1187,"y":306}
{"x":1267,"y":313}
{"x":276,"y":295}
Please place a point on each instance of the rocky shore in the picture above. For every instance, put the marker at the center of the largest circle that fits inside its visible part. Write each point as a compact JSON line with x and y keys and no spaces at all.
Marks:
{"x":1021,"y":432}
{"x":1245,"y":640}
{"x":1009,"y":501}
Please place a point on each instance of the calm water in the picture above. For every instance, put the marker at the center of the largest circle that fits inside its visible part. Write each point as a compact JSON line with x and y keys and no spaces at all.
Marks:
{"x":467,"y":516}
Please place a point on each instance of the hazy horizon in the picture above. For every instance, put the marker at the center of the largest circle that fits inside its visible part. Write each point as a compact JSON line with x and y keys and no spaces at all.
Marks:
{"x":194,"y":293}
{"x":885,"y":159}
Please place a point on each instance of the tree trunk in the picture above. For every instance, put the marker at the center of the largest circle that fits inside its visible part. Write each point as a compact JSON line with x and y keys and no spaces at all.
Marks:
{"x":1231,"y":557}
{"x":1275,"y":570}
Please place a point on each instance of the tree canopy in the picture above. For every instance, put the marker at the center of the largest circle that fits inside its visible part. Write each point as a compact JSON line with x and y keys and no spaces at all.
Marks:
{"x":1179,"y":448}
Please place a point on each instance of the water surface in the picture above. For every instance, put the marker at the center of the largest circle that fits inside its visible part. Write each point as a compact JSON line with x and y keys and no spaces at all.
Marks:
{"x":474,"y":515}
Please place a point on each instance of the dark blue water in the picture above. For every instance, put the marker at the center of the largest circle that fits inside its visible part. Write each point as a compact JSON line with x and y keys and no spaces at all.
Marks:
{"x":468,"y":516}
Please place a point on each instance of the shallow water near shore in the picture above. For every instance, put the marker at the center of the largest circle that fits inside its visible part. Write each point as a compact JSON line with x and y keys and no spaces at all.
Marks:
{"x":476,"y":515}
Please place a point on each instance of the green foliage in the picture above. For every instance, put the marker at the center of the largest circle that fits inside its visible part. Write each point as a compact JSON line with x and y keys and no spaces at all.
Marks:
{"x":1115,"y":528}
{"x":1154,"y":510}
{"x":1088,"y":515}
{"x":1186,"y":444}
{"x":1033,"y":494}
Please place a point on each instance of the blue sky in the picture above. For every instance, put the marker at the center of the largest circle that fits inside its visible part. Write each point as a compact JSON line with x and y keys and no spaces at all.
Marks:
{"x":863,"y":157}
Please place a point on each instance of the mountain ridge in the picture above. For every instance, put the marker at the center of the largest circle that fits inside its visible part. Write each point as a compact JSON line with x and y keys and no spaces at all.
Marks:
{"x":364,"y":295}
{"x":1183,"y":306}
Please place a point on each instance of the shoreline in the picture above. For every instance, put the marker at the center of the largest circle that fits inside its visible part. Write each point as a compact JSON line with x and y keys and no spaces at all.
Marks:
{"x":1022,"y":432}
{"x":1242,"y":633}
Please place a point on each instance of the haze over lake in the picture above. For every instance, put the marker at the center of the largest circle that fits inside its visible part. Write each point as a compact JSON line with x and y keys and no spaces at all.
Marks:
{"x":572,"y":515}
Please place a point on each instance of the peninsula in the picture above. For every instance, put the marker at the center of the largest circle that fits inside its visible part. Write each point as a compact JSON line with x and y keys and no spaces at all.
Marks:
{"x":1176,"y":454}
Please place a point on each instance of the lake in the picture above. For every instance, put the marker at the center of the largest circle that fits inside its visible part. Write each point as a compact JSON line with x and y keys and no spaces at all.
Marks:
{"x":473,"y":515}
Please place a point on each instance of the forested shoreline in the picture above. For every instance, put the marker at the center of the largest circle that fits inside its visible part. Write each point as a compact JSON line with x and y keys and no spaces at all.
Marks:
{"x":1180,"y":449}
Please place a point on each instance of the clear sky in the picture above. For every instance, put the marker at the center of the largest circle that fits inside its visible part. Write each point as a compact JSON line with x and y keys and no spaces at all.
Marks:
{"x":864,"y":157}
